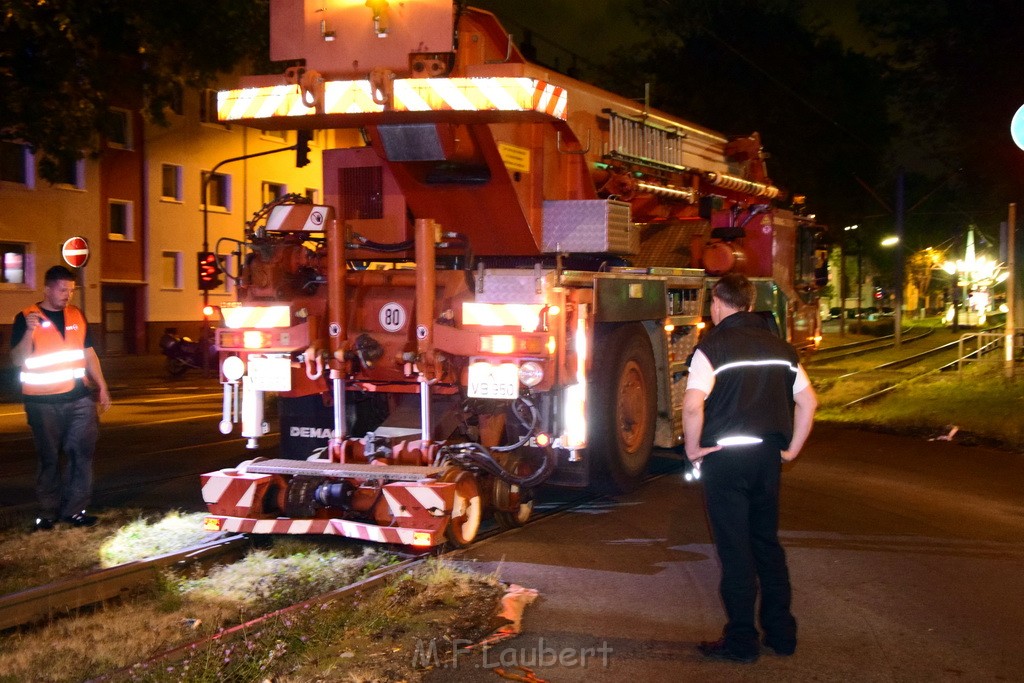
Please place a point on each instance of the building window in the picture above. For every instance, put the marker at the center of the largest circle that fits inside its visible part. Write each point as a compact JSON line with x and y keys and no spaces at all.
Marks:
{"x":14,"y":266}
{"x":313,"y":194}
{"x":171,"y":183}
{"x":119,"y":213}
{"x":171,"y":275}
{"x":273,"y":191}
{"x":218,"y":190}
{"x":119,"y":131}
{"x":15,"y":163}
{"x":71,"y":173}
{"x":278,"y":135}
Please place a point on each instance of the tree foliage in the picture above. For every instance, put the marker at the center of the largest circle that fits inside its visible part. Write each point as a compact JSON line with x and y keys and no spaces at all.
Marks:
{"x":65,"y":63}
{"x":754,"y":65}
{"x":954,"y":67}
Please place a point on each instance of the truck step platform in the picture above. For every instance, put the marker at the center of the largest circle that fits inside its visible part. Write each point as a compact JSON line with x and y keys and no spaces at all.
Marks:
{"x":342,"y":470}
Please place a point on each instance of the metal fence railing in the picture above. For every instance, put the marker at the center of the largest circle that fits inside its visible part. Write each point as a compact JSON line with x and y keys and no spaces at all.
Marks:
{"x":985,"y":344}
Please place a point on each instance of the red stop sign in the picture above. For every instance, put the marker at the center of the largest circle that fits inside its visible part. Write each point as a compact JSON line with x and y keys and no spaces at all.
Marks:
{"x":75,"y":251}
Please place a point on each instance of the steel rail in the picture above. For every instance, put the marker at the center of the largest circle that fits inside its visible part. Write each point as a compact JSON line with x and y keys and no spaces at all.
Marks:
{"x":60,"y":597}
{"x":857,"y":348}
{"x":942,"y":368}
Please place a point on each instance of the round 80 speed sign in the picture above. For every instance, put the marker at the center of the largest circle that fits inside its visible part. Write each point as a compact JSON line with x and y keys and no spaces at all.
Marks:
{"x":392,"y":316}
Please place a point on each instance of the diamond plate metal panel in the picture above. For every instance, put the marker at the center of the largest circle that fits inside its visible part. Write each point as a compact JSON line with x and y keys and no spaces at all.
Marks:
{"x":514,"y":286}
{"x":589,"y":226}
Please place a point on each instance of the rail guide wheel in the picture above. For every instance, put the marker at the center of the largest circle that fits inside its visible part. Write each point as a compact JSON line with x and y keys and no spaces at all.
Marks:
{"x":513,"y":505}
{"x":467,"y":508}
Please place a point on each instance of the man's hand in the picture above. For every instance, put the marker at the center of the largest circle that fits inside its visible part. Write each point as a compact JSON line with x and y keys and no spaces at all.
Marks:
{"x":697,"y":453}
{"x":104,"y":400}
{"x":34,"y":320}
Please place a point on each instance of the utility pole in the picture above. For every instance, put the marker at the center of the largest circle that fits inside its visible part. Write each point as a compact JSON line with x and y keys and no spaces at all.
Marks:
{"x":898,"y":313}
{"x":1011,"y":288}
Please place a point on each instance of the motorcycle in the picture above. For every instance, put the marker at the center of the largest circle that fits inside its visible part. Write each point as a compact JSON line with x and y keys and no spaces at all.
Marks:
{"x":184,"y":353}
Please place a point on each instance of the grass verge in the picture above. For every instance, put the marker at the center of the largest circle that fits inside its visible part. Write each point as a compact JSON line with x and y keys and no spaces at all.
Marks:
{"x":980,"y":401}
{"x":391,"y":634}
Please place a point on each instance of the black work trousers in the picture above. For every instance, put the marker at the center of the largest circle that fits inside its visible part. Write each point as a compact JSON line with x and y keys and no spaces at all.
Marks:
{"x":741,"y":491}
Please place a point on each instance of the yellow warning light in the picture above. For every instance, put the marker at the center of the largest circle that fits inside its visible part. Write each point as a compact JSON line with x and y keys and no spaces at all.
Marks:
{"x":669,"y":327}
{"x":550,"y":346}
{"x":422,"y":539}
{"x":213,"y":524}
{"x":253,"y":339}
{"x":498,"y":343}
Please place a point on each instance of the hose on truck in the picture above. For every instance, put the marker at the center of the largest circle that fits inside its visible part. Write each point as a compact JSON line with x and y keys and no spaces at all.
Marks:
{"x":474,"y":455}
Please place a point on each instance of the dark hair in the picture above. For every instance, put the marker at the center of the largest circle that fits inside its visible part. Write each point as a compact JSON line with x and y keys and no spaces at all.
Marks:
{"x":58,"y":273}
{"x":735,"y":291}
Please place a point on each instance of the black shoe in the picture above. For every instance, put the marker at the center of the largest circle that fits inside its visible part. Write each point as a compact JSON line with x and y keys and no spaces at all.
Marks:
{"x":43,"y":524}
{"x":81,"y":519}
{"x":720,"y":651}
{"x":779,"y":649}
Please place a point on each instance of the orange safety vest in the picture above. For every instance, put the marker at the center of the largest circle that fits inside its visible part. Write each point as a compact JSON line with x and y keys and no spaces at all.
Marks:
{"x":56,"y":360}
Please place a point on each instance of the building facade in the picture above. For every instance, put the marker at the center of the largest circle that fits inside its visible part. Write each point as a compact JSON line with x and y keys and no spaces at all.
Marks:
{"x":139,"y":204}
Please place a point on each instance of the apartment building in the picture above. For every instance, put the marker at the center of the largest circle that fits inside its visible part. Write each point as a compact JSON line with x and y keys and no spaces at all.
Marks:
{"x":139,"y":205}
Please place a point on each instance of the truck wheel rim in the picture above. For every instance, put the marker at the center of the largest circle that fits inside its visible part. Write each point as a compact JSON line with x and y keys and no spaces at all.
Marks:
{"x":632,"y":409}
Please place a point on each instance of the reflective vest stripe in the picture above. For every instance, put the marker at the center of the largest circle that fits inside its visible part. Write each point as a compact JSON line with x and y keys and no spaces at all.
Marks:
{"x":53,"y":377}
{"x":749,"y":363}
{"x":57,"y":358}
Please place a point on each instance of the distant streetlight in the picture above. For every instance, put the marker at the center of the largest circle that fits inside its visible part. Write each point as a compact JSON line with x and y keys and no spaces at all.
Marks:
{"x":890,"y":241}
{"x":854,"y":235}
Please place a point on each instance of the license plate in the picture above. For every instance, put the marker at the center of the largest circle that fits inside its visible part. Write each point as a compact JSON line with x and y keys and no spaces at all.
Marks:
{"x":270,"y":373}
{"x":493,"y":380}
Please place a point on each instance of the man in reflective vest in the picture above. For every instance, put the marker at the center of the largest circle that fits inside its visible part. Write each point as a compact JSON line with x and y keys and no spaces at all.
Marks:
{"x":748,"y":407}
{"x":51,"y":342}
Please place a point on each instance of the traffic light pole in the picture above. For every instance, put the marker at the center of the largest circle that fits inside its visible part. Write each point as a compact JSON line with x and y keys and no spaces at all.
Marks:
{"x":301,"y":147}
{"x":206,"y":201}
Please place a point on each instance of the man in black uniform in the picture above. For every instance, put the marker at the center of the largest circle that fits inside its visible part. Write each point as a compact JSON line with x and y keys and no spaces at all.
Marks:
{"x":748,"y":407}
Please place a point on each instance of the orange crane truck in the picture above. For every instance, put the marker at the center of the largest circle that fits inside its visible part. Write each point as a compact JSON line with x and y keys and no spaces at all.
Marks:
{"x":500,"y":288}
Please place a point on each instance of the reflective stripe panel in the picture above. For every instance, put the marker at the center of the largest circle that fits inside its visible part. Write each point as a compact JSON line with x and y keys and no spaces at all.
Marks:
{"x":56,"y":358}
{"x":753,"y":363}
{"x":739,"y":440}
{"x":54,"y":377}
{"x":412,"y":94}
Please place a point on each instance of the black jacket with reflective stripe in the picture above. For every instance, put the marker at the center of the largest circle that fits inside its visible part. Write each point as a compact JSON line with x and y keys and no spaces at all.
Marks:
{"x":754,"y":375}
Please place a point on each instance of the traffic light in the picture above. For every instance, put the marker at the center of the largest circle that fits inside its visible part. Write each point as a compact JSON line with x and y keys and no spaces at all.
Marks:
{"x":209,"y":270}
{"x":302,"y":148}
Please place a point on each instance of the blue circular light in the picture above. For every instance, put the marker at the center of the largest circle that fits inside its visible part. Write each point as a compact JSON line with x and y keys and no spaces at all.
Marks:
{"x":1017,"y":127}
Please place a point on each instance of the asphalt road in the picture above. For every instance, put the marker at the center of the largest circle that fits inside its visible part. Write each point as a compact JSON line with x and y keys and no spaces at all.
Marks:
{"x":907,"y":555}
{"x":907,"y":559}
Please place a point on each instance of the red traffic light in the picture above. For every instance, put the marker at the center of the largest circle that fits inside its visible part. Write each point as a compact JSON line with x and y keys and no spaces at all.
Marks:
{"x":209,"y":271}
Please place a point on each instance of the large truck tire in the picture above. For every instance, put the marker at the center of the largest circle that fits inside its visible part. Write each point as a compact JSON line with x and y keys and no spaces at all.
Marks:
{"x":622,"y":408}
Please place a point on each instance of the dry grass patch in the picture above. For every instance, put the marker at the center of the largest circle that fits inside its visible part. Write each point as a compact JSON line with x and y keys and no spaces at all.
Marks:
{"x":178,"y":610}
{"x":30,"y":559}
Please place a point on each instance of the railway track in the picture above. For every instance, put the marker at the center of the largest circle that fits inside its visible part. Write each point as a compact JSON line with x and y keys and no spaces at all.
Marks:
{"x":62,"y":598}
{"x":863,"y":347}
{"x":910,"y":359}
